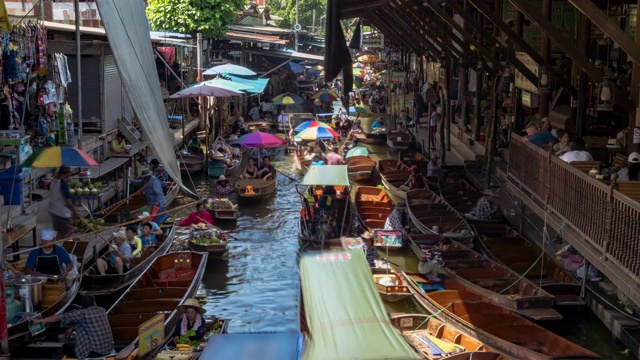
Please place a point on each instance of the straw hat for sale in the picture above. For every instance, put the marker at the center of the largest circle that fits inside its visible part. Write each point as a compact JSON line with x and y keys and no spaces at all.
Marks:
{"x":191,"y":303}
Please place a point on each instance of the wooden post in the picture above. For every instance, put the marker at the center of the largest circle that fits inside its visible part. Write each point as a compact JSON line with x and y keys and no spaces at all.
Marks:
{"x":545,"y":47}
{"x":450,"y":106}
{"x":634,"y":118}
{"x":583,"y":80}
{"x":477,"y":113}
{"x":492,"y":129}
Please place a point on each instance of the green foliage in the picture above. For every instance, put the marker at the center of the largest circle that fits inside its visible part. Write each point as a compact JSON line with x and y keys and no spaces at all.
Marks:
{"x":210,"y":17}
{"x":286,"y":9}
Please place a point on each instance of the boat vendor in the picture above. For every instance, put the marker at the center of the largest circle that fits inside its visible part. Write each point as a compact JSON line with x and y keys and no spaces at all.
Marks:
{"x":317,"y":160}
{"x":251,"y":171}
{"x":61,"y":207}
{"x":50,"y":259}
{"x":134,"y":241}
{"x":200,"y":215}
{"x":333,"y":158}
{"x":195,"y":145}
{"x":145,"y":218}
{"x":93,"y":331}
{"x":153,"y":193}
{"x":397,"y":219}
{"x":282,"y":118}
{"x":415,"y":181}
{"x":431,"y":265}
{"x":377,"y":124}
{"x":147,"y":238}
{"x":223,"y":188}
{"x":158,"y":171}
{"x":309,"y":153}
{"x":191,"y":326}
{"x":485,"y":208}
{"x":267,"y":171}
{"x":118,"y":145}
{"x":119,"y":258}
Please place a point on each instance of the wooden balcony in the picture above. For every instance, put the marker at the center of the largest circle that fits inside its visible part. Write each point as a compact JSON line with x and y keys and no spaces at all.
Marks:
{"x":602,"y":223}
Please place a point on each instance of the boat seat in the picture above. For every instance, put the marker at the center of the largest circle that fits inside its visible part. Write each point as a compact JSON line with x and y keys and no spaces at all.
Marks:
{"x":104,"y":357}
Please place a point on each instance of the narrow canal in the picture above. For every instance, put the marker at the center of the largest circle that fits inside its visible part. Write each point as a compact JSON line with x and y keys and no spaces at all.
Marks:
{"x":258,"y":286}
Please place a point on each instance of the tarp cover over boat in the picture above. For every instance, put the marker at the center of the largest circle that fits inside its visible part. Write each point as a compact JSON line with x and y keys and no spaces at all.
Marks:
{"x":344,"y":313}
{"x":278,"y":346}
{"x":128,"y":29}
{"x":326,"y":175}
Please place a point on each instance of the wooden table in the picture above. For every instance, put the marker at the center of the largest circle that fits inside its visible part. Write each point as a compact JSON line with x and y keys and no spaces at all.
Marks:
{"x":12,"y":239}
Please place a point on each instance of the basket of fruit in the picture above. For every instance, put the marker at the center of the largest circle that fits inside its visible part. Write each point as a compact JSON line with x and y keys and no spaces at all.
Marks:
{"x":223,"y":209}
{"x":203,"y":238}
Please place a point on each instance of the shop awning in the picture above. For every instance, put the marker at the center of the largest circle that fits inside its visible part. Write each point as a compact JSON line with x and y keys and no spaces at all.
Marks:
{"x":257,"y":84}
{"x":291,"y":65}
{"x":326,"y":175}
{"x":279,"y":346}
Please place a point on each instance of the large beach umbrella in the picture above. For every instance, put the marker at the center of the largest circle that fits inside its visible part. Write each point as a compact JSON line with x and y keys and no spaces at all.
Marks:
{"x":367,"y":58}
{"x":287,"y":99}
{"x":205,"y":89}
{"x":317,"y":133}
{"x":259,"y":140}
{"x":57,"y":156}
{"x":317,"y":68}
{"x":358,"y":151}
{"x":360,"y":110}
{"x":229,"y":69}
{"x":229,"y":84}
{"x":358,"y":65}
{"x":309,"y":124}
{"x":325,"y":95}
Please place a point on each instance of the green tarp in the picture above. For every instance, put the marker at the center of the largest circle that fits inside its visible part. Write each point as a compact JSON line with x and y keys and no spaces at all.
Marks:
{"x":257,"y":84}
{"x":326,"y":175}
{"x":344,"y":313}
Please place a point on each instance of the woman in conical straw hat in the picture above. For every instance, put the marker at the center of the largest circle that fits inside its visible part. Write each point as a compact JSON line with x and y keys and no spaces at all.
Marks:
{"x":191,"y":326}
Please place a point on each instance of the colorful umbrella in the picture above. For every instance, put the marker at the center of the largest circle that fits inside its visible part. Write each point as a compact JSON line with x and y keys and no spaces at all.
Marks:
{"x":325,"y":95}
{"x":206,"y":89}
{"x":229,"y":84}
{"x":229,"y":69}
{"x":367,"y":58}
{"x":358,"y":73}
{"x":359,"y":110}
{"x":309,"y":124}
{"x":316,"y":133}
{"x":358,"y":65}
{"x":259,"y":139}
{"x":365,"y":52}
{"x":287,"y":99}
{"x":317,"y":68}
{"x":358,"y":151}
{"x":57,"y":156}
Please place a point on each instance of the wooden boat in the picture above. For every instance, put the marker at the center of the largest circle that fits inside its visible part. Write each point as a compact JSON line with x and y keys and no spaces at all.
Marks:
{"x":214,"y":326}
{"x":394,"y":174}
{"x":424,"y":332}
{"x":390,"y":293}
{"x":398,"y":139}
{"x":256,"y":189}
{"x":199,"y":241}
{"x":420,"y":243}
{"x":369,"y":138}
{"x":137,"y":201}
{"x":496,"y":327}
{"x":300,"y":163}
{"x":411,"y":158}
{"x":461,"y":196}
{"x":171,"y":279}
{"x":257,"y":125}
{"x":431,"y":215}
{"x":360,"y":167}
{"x":95,"y":284}
{"x":191,"y":162}
{"x":497,"y":283}
{"x":502,"y":244}
{"x":373,"y":206}
{"x":18,"y":332}
{"x":223,"y":209}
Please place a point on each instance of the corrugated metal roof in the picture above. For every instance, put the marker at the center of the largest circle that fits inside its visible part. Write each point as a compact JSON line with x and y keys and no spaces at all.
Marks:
{"x":100,"y":32}
{"x":233,"y":35}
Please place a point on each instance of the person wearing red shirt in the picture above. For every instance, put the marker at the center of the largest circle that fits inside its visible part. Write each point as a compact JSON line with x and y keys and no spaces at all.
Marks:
{"x":198,"y":216}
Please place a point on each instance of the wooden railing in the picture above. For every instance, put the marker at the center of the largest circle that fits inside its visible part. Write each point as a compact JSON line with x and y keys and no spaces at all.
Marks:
{"x":609,"y":219}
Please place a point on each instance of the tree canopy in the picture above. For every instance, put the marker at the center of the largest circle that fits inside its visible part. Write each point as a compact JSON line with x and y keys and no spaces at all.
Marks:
{"x":286,"y":9}
{"x":210,"y":17}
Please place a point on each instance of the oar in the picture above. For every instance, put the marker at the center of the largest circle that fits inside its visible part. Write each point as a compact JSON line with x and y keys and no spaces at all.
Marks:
{"x":287,"y":176}
{"x":389,"y":261}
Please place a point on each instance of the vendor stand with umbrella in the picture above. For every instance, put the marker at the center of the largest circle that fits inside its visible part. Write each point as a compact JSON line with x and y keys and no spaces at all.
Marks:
{"x":287,"y":99}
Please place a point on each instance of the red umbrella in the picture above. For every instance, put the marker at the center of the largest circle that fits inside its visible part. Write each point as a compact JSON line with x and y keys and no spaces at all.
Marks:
{"x":259,"y":139}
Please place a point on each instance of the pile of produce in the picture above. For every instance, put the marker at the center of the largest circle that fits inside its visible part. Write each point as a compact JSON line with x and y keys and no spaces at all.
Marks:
{"x":202,"y":235}
{"x":80,"y":189}
{"x":89,"y":224}
{"x":221,"y":204}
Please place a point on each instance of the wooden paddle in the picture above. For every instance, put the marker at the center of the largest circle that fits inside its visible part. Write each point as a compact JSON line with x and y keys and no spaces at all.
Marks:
{"x":287,"y":176}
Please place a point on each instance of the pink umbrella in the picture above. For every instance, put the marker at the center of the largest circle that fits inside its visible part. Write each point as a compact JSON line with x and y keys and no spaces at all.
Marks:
{"x":259,"y":140}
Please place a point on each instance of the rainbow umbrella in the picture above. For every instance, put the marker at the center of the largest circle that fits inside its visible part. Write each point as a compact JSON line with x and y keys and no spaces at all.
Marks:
{"x":357,"y":82}
{"x":325,"y":95}
{"x":259,"y":140}
{"x":359,"y":110}
{"x":358,"y":65}
{"x":358,"y":73}
{"x":316,"y":133}
{"x":309,"y":124}
{"x":365,"y":52}
{"x":57,"y":156}
{"x":287,"y":99}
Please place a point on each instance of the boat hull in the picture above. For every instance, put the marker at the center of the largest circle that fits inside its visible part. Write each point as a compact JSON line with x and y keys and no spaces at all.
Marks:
{"x":398,"y":140}
{"x":191,"y":163}
{"x":373,"y":206}
{"x":360,"y":168}
{"x":431,"y":215}
{"x":217,"y":251}
{"x":262,"y":190}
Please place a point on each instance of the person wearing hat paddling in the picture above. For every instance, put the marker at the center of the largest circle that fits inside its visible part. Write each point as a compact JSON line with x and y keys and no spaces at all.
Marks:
{"x":61,"y":207}
{"x":333,"y":158}
{"x":223,"y":187}
{"x":50,"y":259}
{"x":93,"y":331}
{"x":632,"y":171}
{"x":485,"y":208}
{"x":200,"y":215}
{"x":397,"y":219}
{"x":191,"y":325}
{"x":433,"y":168}
{"x":415,"y":180}
{"x":119,"y":256}
{"x":153,"y":193}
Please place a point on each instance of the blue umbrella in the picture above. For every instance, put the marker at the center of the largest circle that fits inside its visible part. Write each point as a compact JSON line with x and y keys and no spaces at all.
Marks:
{"x":229,"y":69}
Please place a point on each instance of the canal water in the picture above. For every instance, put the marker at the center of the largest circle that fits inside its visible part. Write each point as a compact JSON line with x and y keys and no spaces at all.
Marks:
{"x":257,"y":288}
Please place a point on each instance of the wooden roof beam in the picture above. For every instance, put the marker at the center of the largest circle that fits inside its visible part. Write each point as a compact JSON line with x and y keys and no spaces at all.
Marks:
{"x":387,"y":31}
{"x":354,"y":9}
{"x":559,"y":39}
{"x":412,"y":30}
{"x":522,"y":44}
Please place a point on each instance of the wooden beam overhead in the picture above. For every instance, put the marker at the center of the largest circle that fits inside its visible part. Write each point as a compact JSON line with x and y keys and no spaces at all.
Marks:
{"x":558,"y":38}
{"x":591,"y":11}
{"x":387,"y":31}
{"x":354,"y":9}
{"x":522,"y":44}
{"x":410,"y":30}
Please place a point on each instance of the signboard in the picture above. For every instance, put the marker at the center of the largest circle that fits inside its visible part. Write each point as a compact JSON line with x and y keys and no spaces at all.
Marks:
{"x":151,"y":334}
{"x":529,"y":99}
{"x":433,"y":72}
{"x":399,"y":102}
{"x":388,"y":238}
{"x":521,"y":82}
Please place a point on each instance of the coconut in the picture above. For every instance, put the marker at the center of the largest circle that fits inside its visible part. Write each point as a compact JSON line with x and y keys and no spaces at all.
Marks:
{"x":72,"y":191}
{"x":86,"y":191}
{"x":95,"y":191}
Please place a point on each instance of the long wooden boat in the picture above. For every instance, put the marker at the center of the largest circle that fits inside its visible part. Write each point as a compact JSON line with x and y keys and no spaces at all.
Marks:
{"x":496,"y":327}
{"x":497,"y":283}
{"x":373,"y":206}
{"x":370,"y":138}
{"x":18,"y":332}
{"x":393,"y":174}
{"x":390,"y":285}
{"x":360,"y":167}
{"x":420,"y":243}
{"x":300,"y":163}
{"x":398,"y":139}
{"x":95,"y":284}
{"x":431,"y":215}
{"x":504,"y":245}
{"x":171,"y":279}
{"x":215,"y":251}
{"x":191,"y":162}
{"x":462,"y":196}
{"x":256,"y":190}
{"x":430,"y":335}
{"x":223,"y":209}
{"x":137,"y":201}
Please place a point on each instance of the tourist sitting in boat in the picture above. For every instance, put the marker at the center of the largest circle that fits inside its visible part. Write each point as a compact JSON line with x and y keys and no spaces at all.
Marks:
{"x":333,"y":158}
{"x":414,"y":182}
{"x":145,"y":218}
{"x":119,"y":258}
{"x":191,"y":325}
{"x":195,"y":145}
{"x":117,"y":145}
{"x":356,"y":128}
{"x":153,"y":193}
{"x":50,"y":259}
{"x":578,"y":152}
{"x":158,"y":171}
{"x":485,"y":208}
{"x":200,"y":215}
{"x":147,"y":238}
{"x":223,"y":188}
{"x":251,"y":171}
{"x":93,"y":331}
{"x":317,"y":160}
{"x":397,"y":219}
{"x":431,"y":265}
{"x":377,"y":124}
{"x":267,"y":171}
{"x":134,"y":241}
{"x":433,"y":168}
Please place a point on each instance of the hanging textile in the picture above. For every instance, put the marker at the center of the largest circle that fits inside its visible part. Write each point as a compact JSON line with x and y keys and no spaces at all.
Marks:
{"x":337,"y":57}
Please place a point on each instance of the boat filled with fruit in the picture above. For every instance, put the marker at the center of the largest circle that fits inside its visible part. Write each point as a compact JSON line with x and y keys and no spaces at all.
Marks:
{"x":206,"y":238}
{"x":223,"y":209}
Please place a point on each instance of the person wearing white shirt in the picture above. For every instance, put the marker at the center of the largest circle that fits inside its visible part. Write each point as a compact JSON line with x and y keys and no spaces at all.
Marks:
{"x":282,"y":118}
{"x":254,"y":112}
{"x":578,"y":153}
